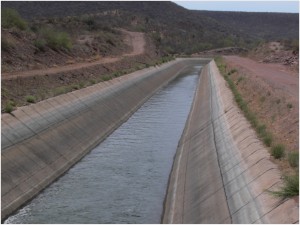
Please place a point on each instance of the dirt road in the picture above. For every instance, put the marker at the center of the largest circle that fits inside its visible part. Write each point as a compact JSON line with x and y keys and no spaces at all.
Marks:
{"x":274,"y":74}
{"x":134,"y":39}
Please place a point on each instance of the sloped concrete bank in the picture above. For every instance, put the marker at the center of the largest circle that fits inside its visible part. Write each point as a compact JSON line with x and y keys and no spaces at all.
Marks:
{"x":221,"y":172}
{"x":42,"y":141}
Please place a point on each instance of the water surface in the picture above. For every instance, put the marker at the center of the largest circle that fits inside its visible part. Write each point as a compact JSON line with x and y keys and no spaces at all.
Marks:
{"x":124,"y":179}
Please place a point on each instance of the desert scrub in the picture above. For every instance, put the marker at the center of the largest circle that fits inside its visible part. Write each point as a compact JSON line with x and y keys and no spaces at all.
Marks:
{"x":9,"y":106}
{"x":6,"y":44}
{"x":278,"y":151}
{"x":30,"y":99}
{"x":11,"y":18}
{"x":54,"y":39}
{"x":293,"y":158}
{"x":290,"y":187}
{"x":40,"y":44}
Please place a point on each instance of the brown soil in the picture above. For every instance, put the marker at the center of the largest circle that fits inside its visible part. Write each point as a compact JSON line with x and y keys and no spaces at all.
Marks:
{"x":272,"y":92}
{"x":135,"y":40}
{"x":276,"y":52}
{"x":53,"y":81}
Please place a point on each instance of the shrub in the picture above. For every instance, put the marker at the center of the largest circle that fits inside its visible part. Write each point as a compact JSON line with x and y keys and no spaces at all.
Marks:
{"x":56,"y":40}
{"x":293,"y":159}
{"x":290,"y":188}
{"x":75,"y":86}
{"x":11,"y":18}
{"x":289,"y":105}
{"x":40,"y":44}
{"x":106,"y":78}
{"x":30,"y":99}
{"x":9,"y":107}
{"x":267,"y":139}
{"x":6,"y":44}
{"x":261,"y":130}
{"x":277,"y":151}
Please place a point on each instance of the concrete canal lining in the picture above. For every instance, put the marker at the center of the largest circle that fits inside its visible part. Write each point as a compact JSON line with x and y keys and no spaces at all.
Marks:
{"x":42,"y":141}
{"x":221,"y":172}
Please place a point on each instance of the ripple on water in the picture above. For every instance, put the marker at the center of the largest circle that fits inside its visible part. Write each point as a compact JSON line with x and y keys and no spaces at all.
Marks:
{"x":124,"y":179}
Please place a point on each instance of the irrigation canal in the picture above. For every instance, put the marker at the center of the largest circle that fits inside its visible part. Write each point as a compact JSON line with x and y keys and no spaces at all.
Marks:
{"x":124,"y":179}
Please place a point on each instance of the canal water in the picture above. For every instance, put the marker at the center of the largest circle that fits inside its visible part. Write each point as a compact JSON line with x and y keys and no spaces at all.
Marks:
{"x":124,"y":179}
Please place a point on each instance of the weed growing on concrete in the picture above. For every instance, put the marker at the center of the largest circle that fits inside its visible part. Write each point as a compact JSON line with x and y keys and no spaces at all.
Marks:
{"x":293,"y":158}
{"x":290,"y":188}
{"x":278,"y":151}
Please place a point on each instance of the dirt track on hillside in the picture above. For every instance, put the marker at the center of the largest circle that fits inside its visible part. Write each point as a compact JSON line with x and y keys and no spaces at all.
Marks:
{"x":275,"y":74}
{"x":134,"y":39}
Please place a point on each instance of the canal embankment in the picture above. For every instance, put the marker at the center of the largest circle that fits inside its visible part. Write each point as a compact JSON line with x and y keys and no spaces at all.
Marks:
{"x":222,"y":172}
{"x":40,"y":142}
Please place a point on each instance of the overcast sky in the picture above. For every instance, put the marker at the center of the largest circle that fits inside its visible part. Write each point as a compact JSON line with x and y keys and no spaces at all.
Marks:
{"x":246,"y":6}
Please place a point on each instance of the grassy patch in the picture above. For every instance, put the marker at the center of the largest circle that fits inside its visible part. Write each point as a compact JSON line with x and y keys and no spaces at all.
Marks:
{"x":9,"y":106}
{"x":293,"y":158}
{"x":251,"y":117}
{"x":54,"y":39}
{"x":11,"y":18}
{"x":278,"y":151}
{"x":290,"y":188}
{"x":30,"y":99}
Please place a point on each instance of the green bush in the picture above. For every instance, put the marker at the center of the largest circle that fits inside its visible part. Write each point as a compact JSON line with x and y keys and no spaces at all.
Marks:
{"x":30,"y":99}
{"x":293,"y":159}
{"x":11,"y":18}
{"x":278,"y":151}
{"x":40,"y":44}
{"x":9,"y":107}
{"x":55,"y":39}
{"x":106,"y":78}
{"x":267,"y":139}
{"x":290,"y":188}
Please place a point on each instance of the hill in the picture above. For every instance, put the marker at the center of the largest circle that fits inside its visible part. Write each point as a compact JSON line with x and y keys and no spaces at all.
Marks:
{"x":173,"y":28}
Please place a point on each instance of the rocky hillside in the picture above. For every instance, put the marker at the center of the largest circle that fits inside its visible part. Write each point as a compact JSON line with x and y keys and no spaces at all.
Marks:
{"x":174,"y":29}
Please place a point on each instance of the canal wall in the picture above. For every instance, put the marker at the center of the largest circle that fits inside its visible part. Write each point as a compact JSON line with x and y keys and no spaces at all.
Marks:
{"x":222,"y":171}
{"x":42,"y":141}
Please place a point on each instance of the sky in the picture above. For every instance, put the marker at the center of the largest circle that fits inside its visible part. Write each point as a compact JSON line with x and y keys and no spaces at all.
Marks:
{"x":246,"y":6}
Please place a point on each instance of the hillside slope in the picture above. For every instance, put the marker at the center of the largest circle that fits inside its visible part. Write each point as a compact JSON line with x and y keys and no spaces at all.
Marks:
{"x":173,"y":28}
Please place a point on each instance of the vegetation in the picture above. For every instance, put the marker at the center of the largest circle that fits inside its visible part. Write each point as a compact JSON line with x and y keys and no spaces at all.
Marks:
{"x":173,"y":29}
{"x":290,"y":188}
{"x":11,"y":18}
{"x":30,"y":99}
{"x":291,"y":184}
{"x":6,"y":45}
{"x":278,"y":151}
{"x":54,"y":39}
{"x":293,"y":158}
{"x":9,"y":107}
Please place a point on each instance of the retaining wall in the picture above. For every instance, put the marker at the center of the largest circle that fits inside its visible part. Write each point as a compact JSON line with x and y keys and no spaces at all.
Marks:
{"x":42,"y":141}
{"x":222,"y":171}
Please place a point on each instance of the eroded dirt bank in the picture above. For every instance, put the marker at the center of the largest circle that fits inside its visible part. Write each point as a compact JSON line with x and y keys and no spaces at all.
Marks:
{"x":222,"y":171}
